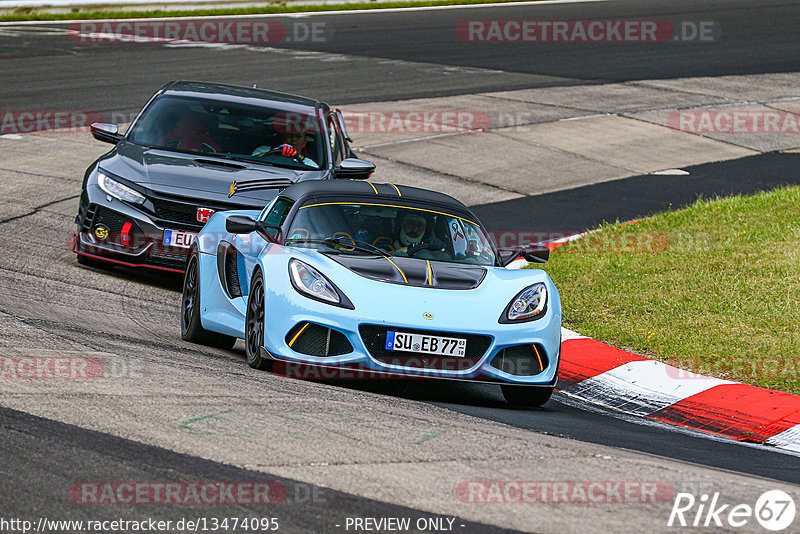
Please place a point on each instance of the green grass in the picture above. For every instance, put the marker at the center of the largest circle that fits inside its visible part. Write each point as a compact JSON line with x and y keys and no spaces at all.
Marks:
{"x":713,"y":288}
{"x":25,"y":14}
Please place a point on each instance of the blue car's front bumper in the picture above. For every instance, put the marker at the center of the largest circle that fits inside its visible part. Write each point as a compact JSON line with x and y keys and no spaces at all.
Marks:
{"x":454,"y":314}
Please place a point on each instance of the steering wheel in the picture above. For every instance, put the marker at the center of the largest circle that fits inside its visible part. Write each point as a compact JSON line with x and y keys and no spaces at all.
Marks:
{"x":281,"y":149}
{"x":412,"y":250}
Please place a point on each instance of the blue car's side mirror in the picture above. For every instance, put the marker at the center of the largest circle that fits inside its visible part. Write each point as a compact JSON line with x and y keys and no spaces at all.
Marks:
{"x":531,"y":253}
{"x":242,"y":224}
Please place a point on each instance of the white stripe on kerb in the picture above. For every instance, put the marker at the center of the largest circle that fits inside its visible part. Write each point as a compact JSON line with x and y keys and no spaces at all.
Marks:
{"x":642,"y":387}
{"x":569,"y":334}
{"x":788,"y":439}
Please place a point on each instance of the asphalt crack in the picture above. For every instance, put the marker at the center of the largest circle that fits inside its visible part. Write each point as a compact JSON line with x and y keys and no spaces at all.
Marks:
{"x":37,"y":209}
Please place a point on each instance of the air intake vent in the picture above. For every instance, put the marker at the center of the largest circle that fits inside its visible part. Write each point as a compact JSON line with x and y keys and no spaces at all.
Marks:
{"x":228,"y":268}
{"x":232,"y":273}
{"x":521,"y":360}
{"x":88,"y":217}
{"x":112,"y":220}
{"x":317,"y":340}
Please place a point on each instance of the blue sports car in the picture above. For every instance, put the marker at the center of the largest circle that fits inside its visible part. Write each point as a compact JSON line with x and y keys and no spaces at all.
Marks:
{"x":387,"y":280}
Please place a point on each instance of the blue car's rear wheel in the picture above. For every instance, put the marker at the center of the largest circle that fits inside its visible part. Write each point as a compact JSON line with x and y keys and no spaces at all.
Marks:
{"x":254,"y":324}
{"x":191,"y":327}
{"x":528,"y":396}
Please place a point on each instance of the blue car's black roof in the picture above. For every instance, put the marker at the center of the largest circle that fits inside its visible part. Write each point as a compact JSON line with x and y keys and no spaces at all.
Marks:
{"x":363,"y":190}
{"x":242,"y":95}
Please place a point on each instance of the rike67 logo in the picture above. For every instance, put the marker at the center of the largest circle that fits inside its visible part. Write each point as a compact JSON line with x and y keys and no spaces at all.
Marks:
{"x":774,"y":510}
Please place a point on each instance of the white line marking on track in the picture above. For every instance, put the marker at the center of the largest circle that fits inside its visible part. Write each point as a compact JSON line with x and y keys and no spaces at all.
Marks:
{"x":670,"y":172}
{"x":318,"y":13}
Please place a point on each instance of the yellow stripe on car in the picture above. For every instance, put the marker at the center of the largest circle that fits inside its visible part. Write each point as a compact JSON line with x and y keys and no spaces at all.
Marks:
{"x":388,"y":206}
{"x":536,"y":350}
{"x":398,"y":269}
{"x":298,"y":334}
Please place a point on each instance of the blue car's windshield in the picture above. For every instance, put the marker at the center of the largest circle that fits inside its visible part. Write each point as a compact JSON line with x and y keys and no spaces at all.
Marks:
{"x":415,"y":231}
{"x":236,"y":131}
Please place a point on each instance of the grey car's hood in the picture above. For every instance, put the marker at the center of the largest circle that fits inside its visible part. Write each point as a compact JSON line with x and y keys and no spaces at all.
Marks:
{"x":195,"y":175}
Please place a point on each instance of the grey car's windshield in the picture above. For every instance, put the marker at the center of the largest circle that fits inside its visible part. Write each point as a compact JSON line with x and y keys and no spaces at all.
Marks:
{"x":242,"y":132}
{"x":413,"y":231}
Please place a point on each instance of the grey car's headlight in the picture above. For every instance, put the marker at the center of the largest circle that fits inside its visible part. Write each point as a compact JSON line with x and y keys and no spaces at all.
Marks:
{"x":310,"y":282}
{"x":529,"y":304}
{"x":118,"y":190}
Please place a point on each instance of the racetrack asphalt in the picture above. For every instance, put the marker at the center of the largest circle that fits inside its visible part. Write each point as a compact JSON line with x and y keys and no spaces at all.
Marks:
{"x":50,"y":454}
{"x":582,"y":208}
{"x":372,"y":57}
{"x":399,"y":55}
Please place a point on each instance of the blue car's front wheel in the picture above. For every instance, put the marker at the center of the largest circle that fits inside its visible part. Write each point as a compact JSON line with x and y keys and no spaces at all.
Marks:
{"x":254,"y":324}
{"x":526,"y":396}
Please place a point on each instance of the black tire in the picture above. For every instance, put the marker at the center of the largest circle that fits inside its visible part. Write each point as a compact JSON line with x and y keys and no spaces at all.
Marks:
{"x":91,"y":262}
{"x":191,"y":328}
{"x":254,"y":324}
{"x":527,"y":396}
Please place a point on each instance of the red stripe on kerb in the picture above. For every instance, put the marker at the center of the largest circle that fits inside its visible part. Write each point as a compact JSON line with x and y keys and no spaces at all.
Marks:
{"x":739,"y":411}
{"x":585,"y":358}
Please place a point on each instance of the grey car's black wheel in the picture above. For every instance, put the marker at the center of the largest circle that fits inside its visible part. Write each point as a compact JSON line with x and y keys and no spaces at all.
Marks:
{"x":191,"y":327}
{"x":528,"y":396}
{"x":254,"y":324}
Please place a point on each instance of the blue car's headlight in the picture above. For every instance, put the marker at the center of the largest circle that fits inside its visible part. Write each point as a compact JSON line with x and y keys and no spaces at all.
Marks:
{"x":118,"y":190}
{"x":529,"y":304}
{"x":310,"y":282}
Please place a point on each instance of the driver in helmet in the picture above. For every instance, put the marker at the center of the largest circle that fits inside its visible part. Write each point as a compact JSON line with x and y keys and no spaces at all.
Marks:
{"x":413,"y":235}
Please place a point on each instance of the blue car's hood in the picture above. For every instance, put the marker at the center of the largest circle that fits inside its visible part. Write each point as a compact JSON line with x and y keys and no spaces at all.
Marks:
{"x":194,"y":175}
{"x":414,"y":272}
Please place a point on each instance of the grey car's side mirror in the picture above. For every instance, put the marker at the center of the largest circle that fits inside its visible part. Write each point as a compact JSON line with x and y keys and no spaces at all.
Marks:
{"x":354,"y":169}
{"x":106,"y":132}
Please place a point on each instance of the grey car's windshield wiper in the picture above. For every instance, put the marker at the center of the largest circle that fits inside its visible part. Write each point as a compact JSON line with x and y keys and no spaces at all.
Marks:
{"x":253,"y":159}
{"x":334,"y":243}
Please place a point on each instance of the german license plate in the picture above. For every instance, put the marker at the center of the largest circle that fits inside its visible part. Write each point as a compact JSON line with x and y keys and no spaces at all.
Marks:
{"x":178,"y":238}
{"x":445,"y":346}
